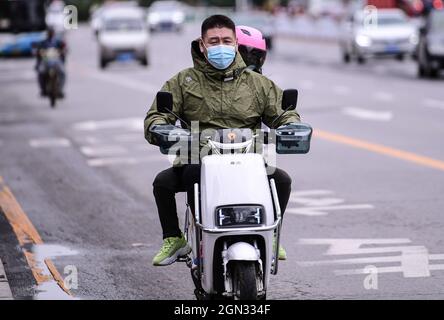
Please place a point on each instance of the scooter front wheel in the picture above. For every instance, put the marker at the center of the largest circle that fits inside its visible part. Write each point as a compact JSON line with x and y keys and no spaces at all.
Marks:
{"x":244,"y":280}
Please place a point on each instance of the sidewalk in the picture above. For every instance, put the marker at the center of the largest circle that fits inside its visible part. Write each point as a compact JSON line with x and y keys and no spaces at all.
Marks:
{"x":5,"y":291}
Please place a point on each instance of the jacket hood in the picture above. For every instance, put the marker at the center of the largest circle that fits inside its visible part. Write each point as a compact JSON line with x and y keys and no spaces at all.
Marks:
{"x":200,"y":63}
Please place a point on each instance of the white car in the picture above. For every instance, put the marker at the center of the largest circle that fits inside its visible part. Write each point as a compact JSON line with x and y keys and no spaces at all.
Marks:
{"x":123,"y":35}
{"x":98,"y":12}
{"x":387,"y":33}
{"x":166,"y":15}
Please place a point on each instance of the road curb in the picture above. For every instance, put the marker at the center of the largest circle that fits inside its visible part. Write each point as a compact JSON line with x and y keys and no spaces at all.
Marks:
{"x":5,"y":290}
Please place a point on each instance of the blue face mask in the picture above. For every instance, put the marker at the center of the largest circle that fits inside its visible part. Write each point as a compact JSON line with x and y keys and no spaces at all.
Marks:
{"x":221,"y":56}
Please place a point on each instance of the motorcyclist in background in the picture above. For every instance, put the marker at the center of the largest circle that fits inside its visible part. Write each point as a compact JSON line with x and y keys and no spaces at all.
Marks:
{"x":51,"y":41}
{"x":219,"y":92}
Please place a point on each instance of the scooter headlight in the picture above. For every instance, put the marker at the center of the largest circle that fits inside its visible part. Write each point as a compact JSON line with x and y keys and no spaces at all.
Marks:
{"x":240,"y":215}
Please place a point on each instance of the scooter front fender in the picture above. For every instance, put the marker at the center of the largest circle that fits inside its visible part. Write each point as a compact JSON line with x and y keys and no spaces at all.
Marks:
{"x":242,"y":251}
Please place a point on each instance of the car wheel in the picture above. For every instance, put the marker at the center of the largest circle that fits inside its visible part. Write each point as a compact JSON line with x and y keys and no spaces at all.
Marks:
{"x":103,"y":63}
{"x":433,"y":73}
{"x":144,"y":61}
{"x":361,"y":60}
{"x":421,"y":71}
{"x":400,"y":57}
{"x":346,"y":57}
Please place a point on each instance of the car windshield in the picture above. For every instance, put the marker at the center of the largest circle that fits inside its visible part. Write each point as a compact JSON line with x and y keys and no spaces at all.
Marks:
{"x":437,"y":21}
{"x":254,"y":21}
{"x":123,"y":25}
{"x":164,"y":6}
{"x":390,"y":20}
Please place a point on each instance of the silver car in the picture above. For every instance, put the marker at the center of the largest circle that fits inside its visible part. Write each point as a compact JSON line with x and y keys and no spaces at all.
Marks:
{"x":387,"y":33}
{"x":123,"y":35}
{"x":166,"y":15}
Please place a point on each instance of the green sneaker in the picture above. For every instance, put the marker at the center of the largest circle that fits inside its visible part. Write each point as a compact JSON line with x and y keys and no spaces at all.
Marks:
{"x":172,"y":248}
{"x":282,"y":254}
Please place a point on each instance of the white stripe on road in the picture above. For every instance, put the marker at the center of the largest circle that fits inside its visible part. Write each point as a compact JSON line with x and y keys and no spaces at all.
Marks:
{"x":368,"y":114}
{"x":140,"y":86}
{"x":103,"y":151}
{"x":369,"y":260}
{"x":129,"y":137}
{"x":23,"y":75}
{"x":132,"y":124}
{"x":383,"y":96}
{"x":414,"y":260}
{"x":49,"y":142}
{"x":305,"y":193}
{"x":433,"y":267}
{"x":322,"y":211}
{"x":434,"y":103}
{"x":102,"y":162}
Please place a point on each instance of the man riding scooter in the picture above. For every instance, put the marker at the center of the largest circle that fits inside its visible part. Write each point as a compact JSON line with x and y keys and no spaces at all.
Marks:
{"x":219,"y":92}
{"x":51,"y":42}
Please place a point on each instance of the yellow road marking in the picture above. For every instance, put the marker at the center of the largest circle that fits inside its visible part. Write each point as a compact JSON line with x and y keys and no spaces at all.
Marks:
{"x":26,"y":234}
{"x":381,"y":149}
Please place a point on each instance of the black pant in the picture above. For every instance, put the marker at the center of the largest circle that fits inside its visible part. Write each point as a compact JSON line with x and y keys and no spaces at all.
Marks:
{"x":180,"y":179}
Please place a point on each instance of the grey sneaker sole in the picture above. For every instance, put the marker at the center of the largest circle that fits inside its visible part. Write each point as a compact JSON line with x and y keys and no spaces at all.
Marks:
{"x":170,"y":260}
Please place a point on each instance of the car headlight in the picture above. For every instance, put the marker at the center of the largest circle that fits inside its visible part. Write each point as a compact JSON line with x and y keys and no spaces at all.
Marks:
{"x":153,"y":18}
{"x":414,"y":39}
{"x":363,"y":40}
{"x":178,"y":17}
{"x":239,"y":215}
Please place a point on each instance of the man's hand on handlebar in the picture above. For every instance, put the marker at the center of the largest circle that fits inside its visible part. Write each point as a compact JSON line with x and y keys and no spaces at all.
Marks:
{"x":165,"y":134}
{"x":169,"y":129}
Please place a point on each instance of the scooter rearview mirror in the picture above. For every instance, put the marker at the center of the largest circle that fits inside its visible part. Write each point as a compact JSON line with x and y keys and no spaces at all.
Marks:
{"x":289,"y":99}
{"x":164,"y":102}
{"x":289,"y":102}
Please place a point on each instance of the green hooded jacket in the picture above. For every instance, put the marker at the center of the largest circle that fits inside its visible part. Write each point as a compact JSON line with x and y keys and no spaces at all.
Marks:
{"x":232,"y":98}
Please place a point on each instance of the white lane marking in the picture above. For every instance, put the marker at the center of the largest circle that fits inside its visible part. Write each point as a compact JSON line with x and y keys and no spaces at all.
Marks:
{"x":140,"y":86}
{"x":414,"y":260}
{"x":316,"y":203}
{"x":434,"y":103}
{"x":102,"y":162}
{"x":341,"y":90}
{"x":129,"y":137}
{"x":14,"y":76}
{"x":131,"y":124}
{"x":103,"y":151}
{"x":49,"y":142}
{"x":306,"y":198}
{"x":50,"y":289}
{"x":305,"y":193}
{"x":92,"y":140}
{"x":322,"y":211}
{"x":383,"y":96}
{"x":368,"y":114}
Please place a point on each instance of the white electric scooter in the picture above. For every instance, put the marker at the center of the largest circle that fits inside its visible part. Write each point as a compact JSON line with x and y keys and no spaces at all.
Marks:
{"x":235,"y":227}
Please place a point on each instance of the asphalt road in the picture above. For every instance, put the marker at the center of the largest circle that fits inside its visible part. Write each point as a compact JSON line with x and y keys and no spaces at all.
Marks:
{"x":368,"y":197}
